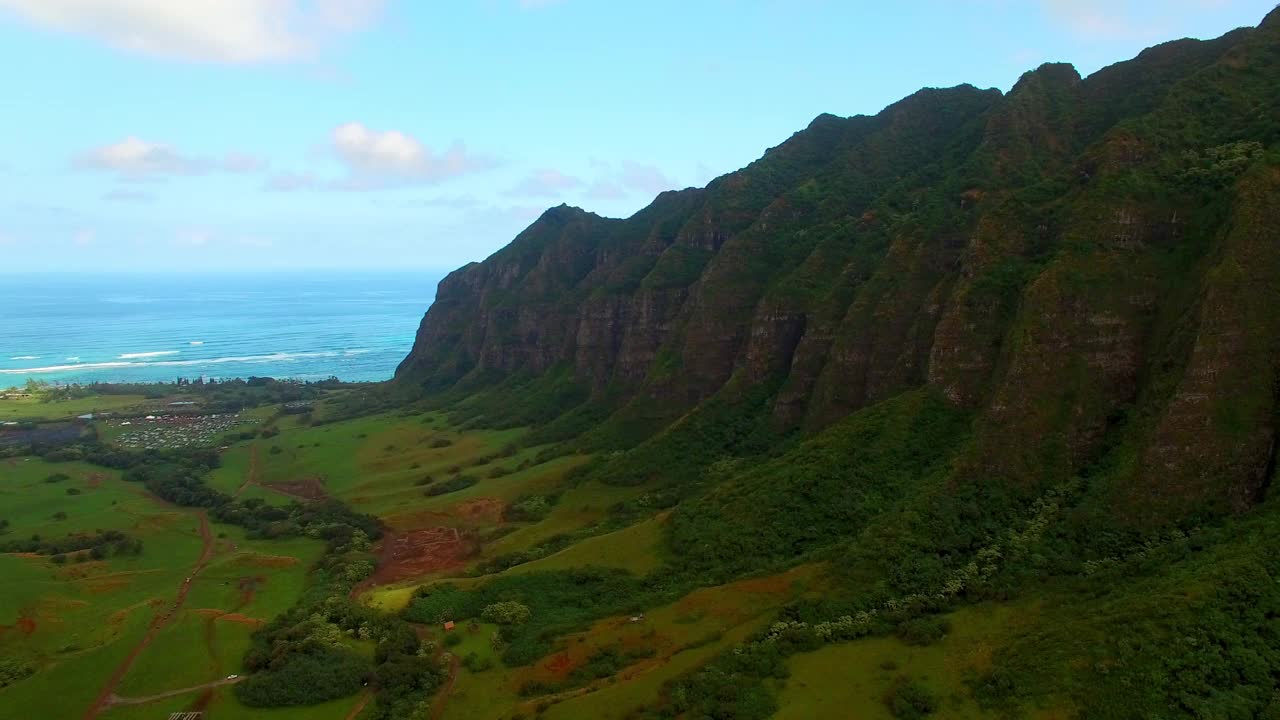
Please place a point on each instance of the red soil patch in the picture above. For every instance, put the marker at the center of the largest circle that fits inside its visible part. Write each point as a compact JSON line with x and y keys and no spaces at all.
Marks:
{"x":268,"y":561}
{"x":740,"y":600}
{"x":247,"y":587}
{"x":110,"y":583}
{"x":242,"y":619}
{"x":560,"y":664}
{"x":213,"y":614}
{"x":94,"y":480}
{"x":402,"y":556}
{"x":483,"y":509}
{"x":81,"y":571}
{"x":309,"y":489}
{"x":26,"y":625}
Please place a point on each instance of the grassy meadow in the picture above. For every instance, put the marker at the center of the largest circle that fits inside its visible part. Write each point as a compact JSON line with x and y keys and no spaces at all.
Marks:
{"x":473,"y":507}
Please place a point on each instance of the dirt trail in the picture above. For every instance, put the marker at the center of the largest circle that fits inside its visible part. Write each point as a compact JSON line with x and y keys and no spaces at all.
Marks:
{"x":117,"y":700}
{"x":442,"y":699}
{"x":251,"y":475}
{"x":160,"y":622}
{"x":365,"y":697}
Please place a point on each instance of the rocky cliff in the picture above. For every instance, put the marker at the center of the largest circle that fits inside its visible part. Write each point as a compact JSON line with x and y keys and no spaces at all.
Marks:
{"x":1085,"y":263}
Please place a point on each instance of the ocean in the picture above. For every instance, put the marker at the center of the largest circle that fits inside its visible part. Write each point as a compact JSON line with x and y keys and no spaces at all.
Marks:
{"x":75,"y":328}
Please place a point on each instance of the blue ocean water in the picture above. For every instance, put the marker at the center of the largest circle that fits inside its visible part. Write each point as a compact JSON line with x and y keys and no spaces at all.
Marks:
{"x":75,"y":328}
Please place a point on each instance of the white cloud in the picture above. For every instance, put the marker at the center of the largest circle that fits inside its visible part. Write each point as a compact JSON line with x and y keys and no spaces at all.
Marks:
{"x":6,"y":239}
{"x":627,"y":178}
{"x":136,"y":157}
{"x":646,"y":179}
{"x":232,"y":31}
{"x":1126,"y":19}
{"x":234,"y":162}
{"x":84,"y":237}
{"x":388,"y":158}
{"x":545,"y":183}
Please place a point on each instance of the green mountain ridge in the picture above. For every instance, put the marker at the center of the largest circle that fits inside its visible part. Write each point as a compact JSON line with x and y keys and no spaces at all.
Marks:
{"x":979,"y":350}
{"x":1085,"y":263}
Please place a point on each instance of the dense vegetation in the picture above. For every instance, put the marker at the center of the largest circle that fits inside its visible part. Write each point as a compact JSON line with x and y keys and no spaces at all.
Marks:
{"x":80,"y":546}
{"x":979,"y":348}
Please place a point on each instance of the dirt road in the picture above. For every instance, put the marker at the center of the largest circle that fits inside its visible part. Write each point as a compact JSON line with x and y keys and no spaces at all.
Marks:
{"x":442,"y":698}
{"x":251,"y":475}
{"x":365,"y":697}
{"x":160,"y":622}
{"x":117,"y":700}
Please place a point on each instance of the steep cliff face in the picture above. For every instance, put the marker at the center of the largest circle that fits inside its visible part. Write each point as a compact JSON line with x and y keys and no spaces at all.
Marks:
{"x":1085,"y":263}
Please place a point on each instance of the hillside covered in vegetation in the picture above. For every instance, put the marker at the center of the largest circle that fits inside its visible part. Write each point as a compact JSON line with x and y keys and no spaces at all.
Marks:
{"x":1018,"y":348}
{"x":966,"y":410}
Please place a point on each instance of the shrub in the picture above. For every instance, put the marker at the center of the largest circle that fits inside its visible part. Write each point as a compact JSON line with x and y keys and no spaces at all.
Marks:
{"x":909,"y":700}
{"x":441,"y":443}
{"x":923,"y":631}
{"x":12,"y":670}
{"x":532,"y":508}
{"x":506,"y":613}
{"x":306,"y":680}
{"x":57,"y":477}
{"x":475,"y":663}
{"x":453,"y":484}
{"x":73,"y":491}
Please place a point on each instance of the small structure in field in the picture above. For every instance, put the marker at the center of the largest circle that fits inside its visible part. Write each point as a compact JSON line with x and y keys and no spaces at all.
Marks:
{"x":448,"y":625}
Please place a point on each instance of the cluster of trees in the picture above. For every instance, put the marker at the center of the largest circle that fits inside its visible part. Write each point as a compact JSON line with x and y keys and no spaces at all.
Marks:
{"x":450,"y":484}
{"x":603,"y":663}
{"x":177,"y":476}
{"x":530,"y":508}
{"x":12,"y":670}
{"x":307,"y":655}
{"x":98,"y":545}
{"x":556,"y":602}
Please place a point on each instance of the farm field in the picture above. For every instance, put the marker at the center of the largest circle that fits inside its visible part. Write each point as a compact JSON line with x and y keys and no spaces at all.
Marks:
{"x":445,"y":496}
{"x":74,"y":624}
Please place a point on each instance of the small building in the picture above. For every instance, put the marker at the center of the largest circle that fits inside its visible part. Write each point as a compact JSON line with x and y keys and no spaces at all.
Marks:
{"x":448,"y":625}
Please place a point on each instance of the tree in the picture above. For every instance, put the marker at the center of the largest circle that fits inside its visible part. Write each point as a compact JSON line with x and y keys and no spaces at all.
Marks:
{"x":506,"y":613}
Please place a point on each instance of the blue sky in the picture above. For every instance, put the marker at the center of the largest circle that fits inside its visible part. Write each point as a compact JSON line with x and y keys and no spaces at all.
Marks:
{"x":267,"y":134}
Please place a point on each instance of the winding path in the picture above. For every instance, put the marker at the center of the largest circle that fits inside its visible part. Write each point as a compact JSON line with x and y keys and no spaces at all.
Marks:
{"x":117,"y":700}
{"x":442,"y":698}
{"x":108,"y":695}
{"x":365,"y":697}
{"x":251,"y":475}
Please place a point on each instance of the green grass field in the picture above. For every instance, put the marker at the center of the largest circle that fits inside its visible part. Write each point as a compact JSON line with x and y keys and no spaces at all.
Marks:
{"x":75,"y":622}
{"x":89,"y":616}
{"x":33,"y":408}
{"x":852,"y":679}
